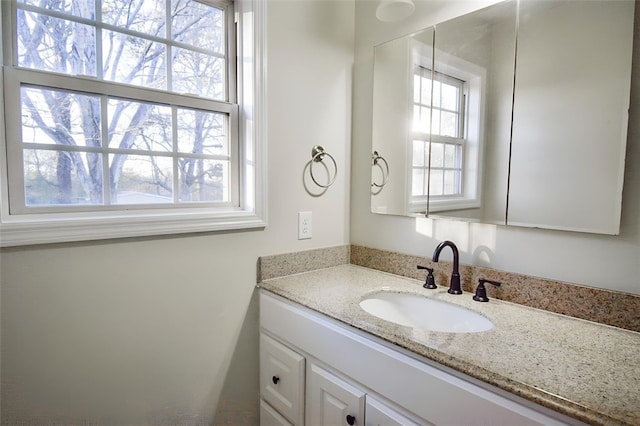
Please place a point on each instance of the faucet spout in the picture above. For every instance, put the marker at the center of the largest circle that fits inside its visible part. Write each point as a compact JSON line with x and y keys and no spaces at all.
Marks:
{"x":454,"y":283}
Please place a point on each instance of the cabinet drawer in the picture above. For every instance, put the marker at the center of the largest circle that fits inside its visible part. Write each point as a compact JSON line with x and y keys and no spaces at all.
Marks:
{"x":379,"y":414}
{"x":282,"y":379}
{"x":270,"y":417}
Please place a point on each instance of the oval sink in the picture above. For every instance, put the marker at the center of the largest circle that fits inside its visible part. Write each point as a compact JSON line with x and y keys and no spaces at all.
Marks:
{"x":416,"y":311}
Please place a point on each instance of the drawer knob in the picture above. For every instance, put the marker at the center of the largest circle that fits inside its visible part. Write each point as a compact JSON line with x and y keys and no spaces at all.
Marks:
{"x":351,"y":420}
{"x":275,"y":380}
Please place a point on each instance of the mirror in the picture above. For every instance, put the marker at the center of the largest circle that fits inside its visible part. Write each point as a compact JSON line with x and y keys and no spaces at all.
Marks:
{"x":570,"y":114}
{"x":495,"y":152}
{"x":392,"y":153}
{"x":471,"y":116}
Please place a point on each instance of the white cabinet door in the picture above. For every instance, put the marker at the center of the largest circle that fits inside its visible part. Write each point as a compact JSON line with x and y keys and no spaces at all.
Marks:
{"x":379,"y":414}
{"x":282,"y":379}
{"x":331,"y":401}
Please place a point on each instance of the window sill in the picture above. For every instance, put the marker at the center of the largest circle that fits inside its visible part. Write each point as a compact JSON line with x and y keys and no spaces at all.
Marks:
{"x":453,"y":204}
{"x":39,"y":230}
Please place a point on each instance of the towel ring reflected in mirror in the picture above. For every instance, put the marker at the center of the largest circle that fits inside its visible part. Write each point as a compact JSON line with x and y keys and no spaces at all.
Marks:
{"x":318,"y":154}
{"x":376,"y":160}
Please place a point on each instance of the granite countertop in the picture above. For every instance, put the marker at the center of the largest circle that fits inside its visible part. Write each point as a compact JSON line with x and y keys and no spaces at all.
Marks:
{"x":586,"y":370}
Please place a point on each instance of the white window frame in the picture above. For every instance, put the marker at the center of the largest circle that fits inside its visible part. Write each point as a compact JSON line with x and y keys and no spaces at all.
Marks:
{"x":24,"y":229}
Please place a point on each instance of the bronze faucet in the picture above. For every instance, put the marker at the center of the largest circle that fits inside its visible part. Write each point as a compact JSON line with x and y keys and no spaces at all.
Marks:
{"x":454,"y":284}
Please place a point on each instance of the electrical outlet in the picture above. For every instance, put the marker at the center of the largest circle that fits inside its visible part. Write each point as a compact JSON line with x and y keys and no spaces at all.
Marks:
{"x":305,"y":225}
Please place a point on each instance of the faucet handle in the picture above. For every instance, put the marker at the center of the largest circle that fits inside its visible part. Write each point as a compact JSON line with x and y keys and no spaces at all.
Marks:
{"x":431,"y":281}
{"x":481,"y":291}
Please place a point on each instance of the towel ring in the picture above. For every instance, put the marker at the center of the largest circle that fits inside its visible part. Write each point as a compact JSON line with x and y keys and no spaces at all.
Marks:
{"x":317,"y":155}
{"x":375,"y":158}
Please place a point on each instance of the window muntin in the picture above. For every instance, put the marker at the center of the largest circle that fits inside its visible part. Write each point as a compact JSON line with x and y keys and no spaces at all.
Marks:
{"x":437,"y":166}
{"x":79,"y":148}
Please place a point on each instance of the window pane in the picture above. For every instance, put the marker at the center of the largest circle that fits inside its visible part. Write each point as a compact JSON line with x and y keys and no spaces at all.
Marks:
{"x":435,"y":185}
{"x":422,"y":87}
{"x":426,"y":91}
{"x":451,"y":182}
{"x":60,"y":177}
{"x":417,"y":88}
{"x":437,"y":155}
{"x":202,"y":132}
{"x":450,"y":97}
{"x":198,"y":25}
{"x":435,"y":122}
{"x":421,"y":117}
{"x":139,"y":125}
{"x":449,"y":124}
{"x":418,"y":182}
{"x":59,"y":117}
{"x":51,"y":44}
{"x":418,"y":154}
{"x":436,"y":93}
{"x":143,"y":179}
{"x":203,"y":180}
{"x":451,"y":155}
{"x":133,"y":60}
{"x":145,"y":16}
{"x":84,"y":9}
{"x":198,"y":74}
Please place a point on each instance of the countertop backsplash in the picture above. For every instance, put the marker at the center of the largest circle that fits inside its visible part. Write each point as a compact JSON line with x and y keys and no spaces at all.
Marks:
{"x":281,"y":265}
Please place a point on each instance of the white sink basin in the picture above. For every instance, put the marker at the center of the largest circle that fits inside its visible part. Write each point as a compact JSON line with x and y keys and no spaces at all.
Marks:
{"x":416,"y":311}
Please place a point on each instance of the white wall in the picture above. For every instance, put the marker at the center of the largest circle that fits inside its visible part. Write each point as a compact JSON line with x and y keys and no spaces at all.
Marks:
{"x":160,"y":330}
{"x":611,"y":262}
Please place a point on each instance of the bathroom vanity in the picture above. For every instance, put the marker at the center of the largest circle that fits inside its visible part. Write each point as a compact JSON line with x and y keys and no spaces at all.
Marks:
{"x":325,"y":360}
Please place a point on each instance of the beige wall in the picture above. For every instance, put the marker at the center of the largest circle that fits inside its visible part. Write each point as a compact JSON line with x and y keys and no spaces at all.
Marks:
{"x":164,"y":330}
{"x":611,"y":262}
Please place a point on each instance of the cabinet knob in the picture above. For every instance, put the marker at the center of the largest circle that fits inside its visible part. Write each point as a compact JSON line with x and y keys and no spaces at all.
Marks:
{"x":351,"y":420}
{"x":275,"y":380}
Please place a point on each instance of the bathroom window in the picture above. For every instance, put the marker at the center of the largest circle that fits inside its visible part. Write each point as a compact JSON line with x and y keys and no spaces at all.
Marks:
{"x":126,"y":113}
{"x":437,"y":171}
{"x":445,"y":135}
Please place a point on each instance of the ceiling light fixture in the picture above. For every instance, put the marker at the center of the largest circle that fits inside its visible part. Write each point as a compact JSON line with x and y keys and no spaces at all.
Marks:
{"x":394,"y":10}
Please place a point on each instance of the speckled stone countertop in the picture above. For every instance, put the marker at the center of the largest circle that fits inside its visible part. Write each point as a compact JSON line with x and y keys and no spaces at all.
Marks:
{"x":586,"y":370}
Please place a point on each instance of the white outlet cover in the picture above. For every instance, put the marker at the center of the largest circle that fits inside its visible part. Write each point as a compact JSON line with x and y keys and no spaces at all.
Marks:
{"x":305,"y":225}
